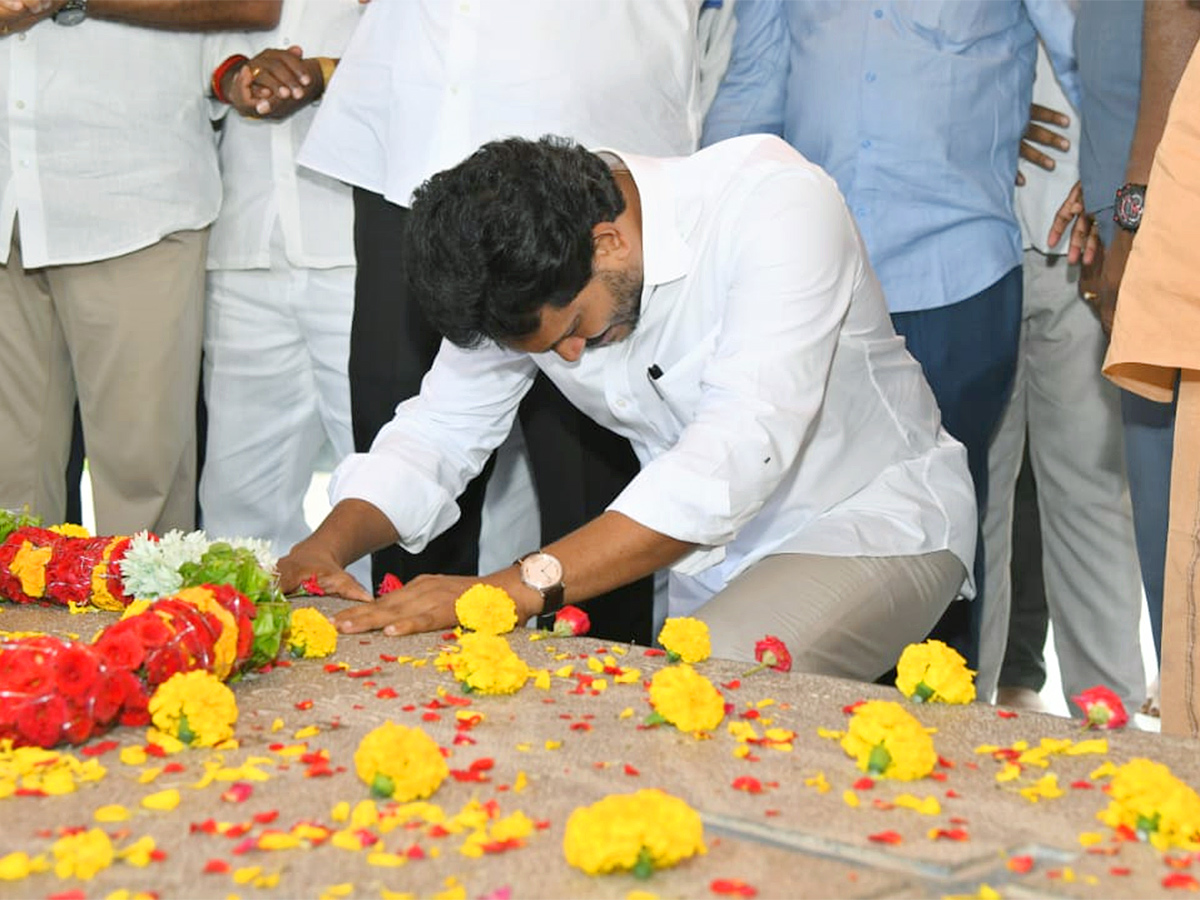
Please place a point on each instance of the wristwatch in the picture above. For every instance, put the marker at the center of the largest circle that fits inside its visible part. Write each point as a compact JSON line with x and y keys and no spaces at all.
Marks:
{"x":71,"y":13}
{"x":1128,"y":206}
{"x":543,"y":573}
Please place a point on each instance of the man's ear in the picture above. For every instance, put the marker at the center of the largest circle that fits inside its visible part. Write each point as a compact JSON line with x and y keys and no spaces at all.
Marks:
{"x":610,"y":242}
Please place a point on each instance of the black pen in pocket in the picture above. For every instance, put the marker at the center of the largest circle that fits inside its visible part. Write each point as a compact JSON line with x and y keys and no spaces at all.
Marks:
{"x":654,"y":373}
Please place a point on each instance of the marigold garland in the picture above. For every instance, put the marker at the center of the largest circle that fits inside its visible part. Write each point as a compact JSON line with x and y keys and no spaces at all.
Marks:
{"x":400,"y":763}
{"x":310,"y":634}
{"x":1147,"y":798}
{"x":685,"y":639}
{"x":887,"y":741}
{"x":933,"y":672}
{"x":638,"y":832}
{"x":686,"y":699}
{"x":486,"y":609}
{"x":487,"y":664}
{"x":194,"y":707}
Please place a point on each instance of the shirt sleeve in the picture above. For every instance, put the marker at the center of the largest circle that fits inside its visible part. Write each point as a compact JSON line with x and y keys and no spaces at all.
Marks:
{"x":751,"y":97}
{"x":1054,"y":21}
{"x":793,"y":259}
{"x":437,"y":441}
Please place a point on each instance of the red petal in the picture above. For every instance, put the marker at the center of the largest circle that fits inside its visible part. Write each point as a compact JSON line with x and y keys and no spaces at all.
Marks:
{"x":1006,"y":714}
{"x":885,"y":837}
{"x":864,"y":784}
{"x":217,"y":867}
{"x":748,"y":784}
{"x":733,"y":887}
{"x":100,"y":748}
{"x":1180,"y":880}
{"x":630,"y":770}
{"x":1119,"y":870}
{"x":1021,"y":864}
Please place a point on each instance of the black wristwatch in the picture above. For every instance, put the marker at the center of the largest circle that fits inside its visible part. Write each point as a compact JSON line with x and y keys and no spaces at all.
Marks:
{"x":71,"y":13}
{"x":1129,"y":205}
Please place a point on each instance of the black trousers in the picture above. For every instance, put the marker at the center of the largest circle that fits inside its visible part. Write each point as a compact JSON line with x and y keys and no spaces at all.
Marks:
{"x":578,"y":466}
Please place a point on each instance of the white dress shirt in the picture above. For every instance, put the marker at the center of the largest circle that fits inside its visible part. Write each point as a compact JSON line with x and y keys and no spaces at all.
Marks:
{"x":264,"y":187}
{"x":426,"y":82}
{"x":789,"y":418}
{"x":106,"y":143}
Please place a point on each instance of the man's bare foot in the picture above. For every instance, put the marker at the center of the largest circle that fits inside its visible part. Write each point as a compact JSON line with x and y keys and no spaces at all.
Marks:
{"x":1151,"y":706}
{"x":1021,"y":698}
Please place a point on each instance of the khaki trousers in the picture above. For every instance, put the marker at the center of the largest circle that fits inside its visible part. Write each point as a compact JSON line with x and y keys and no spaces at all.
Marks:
{"x":123,"y":335}
{"x":845,"y":616}
{"x":1180,"y":698}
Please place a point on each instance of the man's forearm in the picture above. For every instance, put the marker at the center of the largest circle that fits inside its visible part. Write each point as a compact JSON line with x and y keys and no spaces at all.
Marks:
{"x":610,"y":551}
{"x":1170,"y":32}
{"x":190,"y":15}
{"x":353,"y":529}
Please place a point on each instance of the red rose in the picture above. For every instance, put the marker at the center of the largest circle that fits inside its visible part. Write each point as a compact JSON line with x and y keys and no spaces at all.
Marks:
{"x":773,"y":652}
{"x":1101,"y":708}
{"x":40,"y":722}
{"x":152,"y":631}
{"x":79,"y":726}
{"x":21,"y":670}
{"x":571,"y":621}
{"x":120,"y":646}
{"x":76,"y":670}
{"x":390,"y":583}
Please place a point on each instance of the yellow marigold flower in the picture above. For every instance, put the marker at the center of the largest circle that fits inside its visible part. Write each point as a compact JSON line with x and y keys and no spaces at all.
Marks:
{"x":1147,"y":798}
{"x":400,"y":763}
{"x":686,"y":699}
{"x":29,"y":565}
{"x":887,"y":741}
{"x":83,"y":854}
{"x":487,"y":664}
{"x":686,"y":639}
{"x":310,"y":634}
{"x":932,"y":672}
{"x":69,"y":529}
{"x":486,"y":609}
{"x":641,"y":832}
{"x":18,"y":865}
{"x":194,"y":707}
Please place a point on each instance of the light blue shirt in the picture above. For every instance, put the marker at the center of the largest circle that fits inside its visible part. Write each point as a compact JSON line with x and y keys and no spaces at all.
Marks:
{"x":916,"y":108}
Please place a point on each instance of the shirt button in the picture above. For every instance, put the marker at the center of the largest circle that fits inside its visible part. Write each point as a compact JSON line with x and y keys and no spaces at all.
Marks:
{"x":866,"y":145}
{"x":621,"y":404}
{"x":879,"y":13}
{"x":870,"y":77}
{"x":454,"y":89}
{"x":24,"y":164}
{"x":20,"y":104}
{"x":21,"y":37}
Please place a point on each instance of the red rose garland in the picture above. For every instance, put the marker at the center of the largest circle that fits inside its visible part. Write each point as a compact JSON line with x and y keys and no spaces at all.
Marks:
{"x":39,"y":564}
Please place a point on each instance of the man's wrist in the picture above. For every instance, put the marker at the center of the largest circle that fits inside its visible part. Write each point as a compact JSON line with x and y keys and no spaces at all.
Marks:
{"x":222,"y":76}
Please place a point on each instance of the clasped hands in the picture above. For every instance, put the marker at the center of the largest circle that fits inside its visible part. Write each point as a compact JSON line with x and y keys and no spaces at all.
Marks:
{"x":275,"y":83}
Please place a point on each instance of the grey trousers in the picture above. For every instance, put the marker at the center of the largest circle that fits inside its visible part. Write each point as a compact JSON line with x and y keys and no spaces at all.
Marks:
{"x":846,"y":616}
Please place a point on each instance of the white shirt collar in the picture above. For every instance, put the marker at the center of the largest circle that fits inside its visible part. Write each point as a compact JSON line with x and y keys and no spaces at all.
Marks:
{"x":666,"y":256}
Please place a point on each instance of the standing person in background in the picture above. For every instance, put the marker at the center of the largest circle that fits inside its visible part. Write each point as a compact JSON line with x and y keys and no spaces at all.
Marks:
{"x":1069,"y":416}
{"x":107,"y":189}
{"x":1154,"y":338}
{"x":917,"y":110}
{"x":280,"y":285}
{"x":421,"y":85}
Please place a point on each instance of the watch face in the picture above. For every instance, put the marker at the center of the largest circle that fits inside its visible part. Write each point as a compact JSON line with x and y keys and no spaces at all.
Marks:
{"x":1131,"y":201}
{"x":541,"y":571}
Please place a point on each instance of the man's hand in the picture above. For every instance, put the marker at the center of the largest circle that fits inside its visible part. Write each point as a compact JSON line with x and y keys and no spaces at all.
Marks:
{"x":310,"y":560}
{"x":1104,"y":297}
{"x":274,"y":84}
{"x":1039,"y":134}
{"x":21,"y":15}
{"x":426,"y":604}
{"x":1085,"y":239}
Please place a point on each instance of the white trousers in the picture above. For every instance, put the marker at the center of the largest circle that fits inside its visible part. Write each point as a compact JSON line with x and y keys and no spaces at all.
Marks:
{"x":845,"y":616}
{"x":276,"y":345}
{"x":1071,"y":417}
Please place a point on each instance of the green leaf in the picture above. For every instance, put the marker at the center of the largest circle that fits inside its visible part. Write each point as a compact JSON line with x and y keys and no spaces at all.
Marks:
{"x":12,"y":519}
{"x":644,"y":867}
{"x":269,"y":625}
{"x":923,"y":692}
{"x":185,"y":731}
{"x":879,"y":760}
{"x":655,"y":718}
{"x":382,"y":786}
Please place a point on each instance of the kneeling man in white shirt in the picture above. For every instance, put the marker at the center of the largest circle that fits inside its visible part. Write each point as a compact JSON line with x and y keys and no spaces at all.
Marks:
{"x":719,"y":311}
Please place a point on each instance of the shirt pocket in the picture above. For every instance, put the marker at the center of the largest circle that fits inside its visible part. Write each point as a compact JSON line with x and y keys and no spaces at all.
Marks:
{"x":680,"y":387}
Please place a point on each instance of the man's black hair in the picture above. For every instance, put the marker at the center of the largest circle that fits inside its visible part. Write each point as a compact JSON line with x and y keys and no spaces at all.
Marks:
{"x":506,"y":232}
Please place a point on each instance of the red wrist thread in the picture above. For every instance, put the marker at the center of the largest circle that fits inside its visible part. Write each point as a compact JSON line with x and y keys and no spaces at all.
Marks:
{"x":222,"y":70}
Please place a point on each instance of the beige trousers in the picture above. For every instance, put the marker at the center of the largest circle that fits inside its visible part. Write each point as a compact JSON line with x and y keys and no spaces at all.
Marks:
{"x":846,"y":616}
{"x":123,"y":335}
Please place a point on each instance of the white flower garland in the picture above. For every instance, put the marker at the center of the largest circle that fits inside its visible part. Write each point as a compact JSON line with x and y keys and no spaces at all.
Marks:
{"x":150,"y":568}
